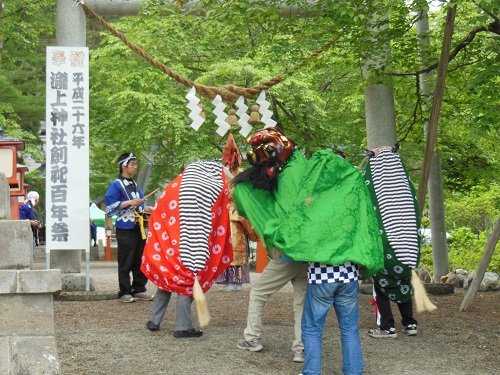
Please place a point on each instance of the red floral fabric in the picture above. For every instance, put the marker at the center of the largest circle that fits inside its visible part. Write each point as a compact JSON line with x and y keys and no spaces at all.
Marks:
{"x":161,"y":261}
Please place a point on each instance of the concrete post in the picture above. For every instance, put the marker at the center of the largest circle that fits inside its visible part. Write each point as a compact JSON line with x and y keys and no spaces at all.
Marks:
{"x":4,"y":198}
{"x":71,"y":30}
{"x":27,"y":336}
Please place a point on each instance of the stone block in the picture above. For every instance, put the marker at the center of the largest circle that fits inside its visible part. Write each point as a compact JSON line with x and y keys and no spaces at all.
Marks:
{"x":39,"y":281}
{"x":72,"y":282}
{"x":4,"y":198}
{"x":8,"y":282}
{"x":16,"y":245}
{"x":34,"y":356}
{"x":4,"y":355}
{"x":68,"y":261}
{"x":27,"y":314}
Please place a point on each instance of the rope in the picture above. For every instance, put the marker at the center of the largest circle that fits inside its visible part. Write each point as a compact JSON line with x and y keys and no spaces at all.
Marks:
{"x":229,"y":93}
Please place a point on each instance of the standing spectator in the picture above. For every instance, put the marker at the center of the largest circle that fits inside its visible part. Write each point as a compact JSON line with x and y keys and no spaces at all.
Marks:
{"x":28,"y":212}
{"x":125,"y":199}
{"x":93,"y":233}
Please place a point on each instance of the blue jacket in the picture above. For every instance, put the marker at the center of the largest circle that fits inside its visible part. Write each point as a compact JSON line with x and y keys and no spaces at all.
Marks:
{"x":27,"y":212}
{"x":121,"y":190}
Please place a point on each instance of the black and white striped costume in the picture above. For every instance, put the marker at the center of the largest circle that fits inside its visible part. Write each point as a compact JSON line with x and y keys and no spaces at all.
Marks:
{"x":199,"y":190}
{"x":395,"y":199}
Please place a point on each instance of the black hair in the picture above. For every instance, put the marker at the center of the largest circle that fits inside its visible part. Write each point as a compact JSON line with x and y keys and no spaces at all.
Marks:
{"x":257,"y":176}
{"x":121,"y":158}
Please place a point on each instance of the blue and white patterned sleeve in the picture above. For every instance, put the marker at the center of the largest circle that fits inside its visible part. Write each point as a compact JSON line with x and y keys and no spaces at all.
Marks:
{"x":113,"y":199}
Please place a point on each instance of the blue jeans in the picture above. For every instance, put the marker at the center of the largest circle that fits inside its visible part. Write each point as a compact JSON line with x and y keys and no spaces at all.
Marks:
{"x":319,"y":299}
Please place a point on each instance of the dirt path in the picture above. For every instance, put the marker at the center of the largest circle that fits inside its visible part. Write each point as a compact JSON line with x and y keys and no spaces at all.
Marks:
{"x":108,"y":338}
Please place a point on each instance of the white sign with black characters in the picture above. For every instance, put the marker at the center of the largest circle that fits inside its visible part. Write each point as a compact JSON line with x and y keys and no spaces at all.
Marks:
{"x":67,"y":148}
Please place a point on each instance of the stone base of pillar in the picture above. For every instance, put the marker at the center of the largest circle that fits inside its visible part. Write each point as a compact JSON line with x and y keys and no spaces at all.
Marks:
{"x":68,"y":261}
{"x":72,"y":282}
{"x":29,"y":355}
{"x":27,"y":337}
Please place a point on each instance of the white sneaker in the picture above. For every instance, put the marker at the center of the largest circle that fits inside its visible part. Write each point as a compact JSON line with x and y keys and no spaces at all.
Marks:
{"x":143,"y":296}
{"x":126,"y":298}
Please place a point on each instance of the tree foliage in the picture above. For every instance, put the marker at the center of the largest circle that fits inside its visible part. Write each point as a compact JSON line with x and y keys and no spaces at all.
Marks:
{"x":136,"y":107}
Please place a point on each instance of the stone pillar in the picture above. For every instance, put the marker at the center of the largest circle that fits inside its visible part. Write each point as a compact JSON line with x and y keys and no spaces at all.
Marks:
{"x":71,"y":30}
{"x":27,"y":338}
{"x":4,"y":198}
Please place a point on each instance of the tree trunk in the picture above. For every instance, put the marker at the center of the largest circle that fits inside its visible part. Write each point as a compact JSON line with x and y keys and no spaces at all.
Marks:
{"x":435,"y":184}
{"x":485,"y":261}
{"x":379,"y":92}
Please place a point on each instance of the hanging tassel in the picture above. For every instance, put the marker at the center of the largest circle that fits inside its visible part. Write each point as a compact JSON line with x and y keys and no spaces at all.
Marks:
{"x":254,"y":115}
{"x":202,"y":113}
{"x":420,"y":298}
{"x":231,"y":118}
{"x":201,"y":304}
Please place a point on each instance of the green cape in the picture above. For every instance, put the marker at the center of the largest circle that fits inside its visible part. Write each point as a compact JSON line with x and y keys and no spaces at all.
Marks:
{"x":320,"y":212}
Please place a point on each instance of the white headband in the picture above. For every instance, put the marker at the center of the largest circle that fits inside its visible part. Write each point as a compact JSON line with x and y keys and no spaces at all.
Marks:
{"x":125,"y":161}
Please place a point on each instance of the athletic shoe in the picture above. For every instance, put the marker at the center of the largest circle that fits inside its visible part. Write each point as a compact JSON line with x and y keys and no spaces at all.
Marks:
{"x":127,"y":298}
{"x":143,"y":296}
{"x":152,"y":326}
{"x":298,"y":356}
{"x":383,"y":334}
{"x":411,"y":329}
{"x":253,"y":345}
{"x":187,"y":333}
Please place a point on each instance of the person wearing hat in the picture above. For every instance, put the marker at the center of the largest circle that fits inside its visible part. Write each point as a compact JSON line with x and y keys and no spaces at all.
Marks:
{"x":125,"y":199}
{"x":28,"y":212}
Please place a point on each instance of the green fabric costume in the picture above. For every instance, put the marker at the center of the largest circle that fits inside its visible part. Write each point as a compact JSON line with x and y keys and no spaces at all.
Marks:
{"x":320,"y":212}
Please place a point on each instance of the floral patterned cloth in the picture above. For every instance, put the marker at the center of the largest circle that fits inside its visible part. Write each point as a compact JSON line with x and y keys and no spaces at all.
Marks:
{"x":180,"y":245}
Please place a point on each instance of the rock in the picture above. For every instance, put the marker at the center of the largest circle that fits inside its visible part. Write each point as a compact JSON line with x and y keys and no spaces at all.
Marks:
{"x":424,"y":275}
{"x":491,"y":281}
{"x":455,"y":278}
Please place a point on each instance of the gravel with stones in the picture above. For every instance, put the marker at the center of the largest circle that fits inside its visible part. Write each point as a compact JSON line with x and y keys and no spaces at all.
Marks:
{"x":108,"y":337}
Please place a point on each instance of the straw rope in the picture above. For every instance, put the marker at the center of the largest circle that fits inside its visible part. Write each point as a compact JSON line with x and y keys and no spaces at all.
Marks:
{"x":229,"y":93}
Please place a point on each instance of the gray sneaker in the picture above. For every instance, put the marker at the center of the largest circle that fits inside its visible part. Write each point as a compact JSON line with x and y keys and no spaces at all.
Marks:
{"x":253,"y":345}
{"x":143,"y":296}
{"x":383,"y":334}
{"x":127,"y":298}
{"x":298,"y":356}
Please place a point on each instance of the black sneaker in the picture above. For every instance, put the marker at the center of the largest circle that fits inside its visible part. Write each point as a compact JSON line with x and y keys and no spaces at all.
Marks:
{"x":188,"y":333}
{"x":152,"y":326}
{"x":411,"y":329}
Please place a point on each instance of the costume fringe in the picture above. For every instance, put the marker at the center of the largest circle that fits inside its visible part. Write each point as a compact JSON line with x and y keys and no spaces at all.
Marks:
{"x":420,"y":298}
{"x":201,"y":304}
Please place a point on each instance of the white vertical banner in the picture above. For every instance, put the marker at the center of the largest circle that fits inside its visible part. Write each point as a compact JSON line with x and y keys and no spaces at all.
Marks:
{"x":67,"y":149}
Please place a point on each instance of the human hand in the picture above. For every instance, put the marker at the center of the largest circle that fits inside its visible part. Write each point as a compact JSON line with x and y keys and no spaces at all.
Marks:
{"x":136,"y":201}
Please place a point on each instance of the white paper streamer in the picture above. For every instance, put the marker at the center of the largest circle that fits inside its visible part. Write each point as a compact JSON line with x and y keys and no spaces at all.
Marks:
{"x":243,"y":117}
{"x":221,"y":116}
{"x":264,"y":111}
{"x":195,"y":114}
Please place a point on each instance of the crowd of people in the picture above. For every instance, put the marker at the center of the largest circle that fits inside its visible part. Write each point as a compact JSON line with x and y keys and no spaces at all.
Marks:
{"x":317,"y":218}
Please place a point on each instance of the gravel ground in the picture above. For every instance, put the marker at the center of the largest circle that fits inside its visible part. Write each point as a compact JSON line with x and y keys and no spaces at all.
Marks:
{"x":107,"y":337}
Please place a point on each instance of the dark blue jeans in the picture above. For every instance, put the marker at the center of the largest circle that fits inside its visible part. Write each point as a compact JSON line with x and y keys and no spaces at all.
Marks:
{"x":344,"y":299}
